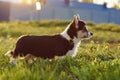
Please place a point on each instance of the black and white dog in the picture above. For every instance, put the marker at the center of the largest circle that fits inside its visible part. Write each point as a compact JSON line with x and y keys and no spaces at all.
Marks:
{"x":47,"y":46}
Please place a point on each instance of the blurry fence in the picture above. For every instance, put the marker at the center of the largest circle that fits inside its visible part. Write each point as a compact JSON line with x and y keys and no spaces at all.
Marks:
{"x":22,"y":12}
{"x":4,"y":11}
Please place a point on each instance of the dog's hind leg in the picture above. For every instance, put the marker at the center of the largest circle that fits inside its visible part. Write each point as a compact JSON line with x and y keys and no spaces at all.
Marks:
{"x":14,"y":58}
{"x":29,"y":58}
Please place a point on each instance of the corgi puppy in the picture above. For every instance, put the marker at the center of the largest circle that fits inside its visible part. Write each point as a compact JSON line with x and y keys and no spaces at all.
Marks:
{"x":49,"y":46}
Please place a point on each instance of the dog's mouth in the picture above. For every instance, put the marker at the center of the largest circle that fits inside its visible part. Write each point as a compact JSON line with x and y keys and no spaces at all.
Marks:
{"x":88,"y":35}
{"x":85,"y":36}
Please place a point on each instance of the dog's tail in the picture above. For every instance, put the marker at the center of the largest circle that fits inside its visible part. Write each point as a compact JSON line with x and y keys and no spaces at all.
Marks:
{"x":9,"y":53}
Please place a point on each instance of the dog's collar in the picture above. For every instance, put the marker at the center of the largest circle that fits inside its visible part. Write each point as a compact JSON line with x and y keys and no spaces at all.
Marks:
{"x":70,"y":42}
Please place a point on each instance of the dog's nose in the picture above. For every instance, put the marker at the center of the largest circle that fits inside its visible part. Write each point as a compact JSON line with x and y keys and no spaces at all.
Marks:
{"x":91,"y":33}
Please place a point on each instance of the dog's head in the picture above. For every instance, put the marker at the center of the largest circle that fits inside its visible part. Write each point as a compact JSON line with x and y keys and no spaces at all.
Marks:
{"x":77,"y":29}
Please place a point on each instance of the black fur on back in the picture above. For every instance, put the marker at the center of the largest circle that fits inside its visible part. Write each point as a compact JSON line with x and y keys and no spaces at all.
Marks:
{"x":43,"y":46}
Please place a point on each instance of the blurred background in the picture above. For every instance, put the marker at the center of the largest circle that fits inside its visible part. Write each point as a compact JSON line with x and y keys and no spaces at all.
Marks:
{"x":97,"y":11}
{"x":97,"y":58}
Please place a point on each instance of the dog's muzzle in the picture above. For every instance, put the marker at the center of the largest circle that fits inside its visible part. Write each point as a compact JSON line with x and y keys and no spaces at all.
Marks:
{"x":90,"y":34}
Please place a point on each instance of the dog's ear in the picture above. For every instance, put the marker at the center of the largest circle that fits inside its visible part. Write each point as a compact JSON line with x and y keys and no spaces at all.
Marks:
{"x":72,"y":30}
{"x":75,"y":20}
{"x":78,"y":16}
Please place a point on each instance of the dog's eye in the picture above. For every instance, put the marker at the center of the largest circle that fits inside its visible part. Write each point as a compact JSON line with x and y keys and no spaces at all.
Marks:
{"x":81,"y":25}
{"x":84,"y":29}
{"x":80,"y":28}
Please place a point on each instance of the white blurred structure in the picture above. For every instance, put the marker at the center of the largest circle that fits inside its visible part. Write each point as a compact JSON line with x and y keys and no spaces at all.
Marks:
{"x":58,"y":10}
{"x":38,"y":5}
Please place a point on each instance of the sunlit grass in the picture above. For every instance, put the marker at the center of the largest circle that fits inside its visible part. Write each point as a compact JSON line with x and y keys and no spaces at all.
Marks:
{"x":97,"y":58}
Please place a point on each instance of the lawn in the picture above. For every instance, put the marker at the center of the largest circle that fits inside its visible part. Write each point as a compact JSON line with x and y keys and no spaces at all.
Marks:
{"x":97,"y":58}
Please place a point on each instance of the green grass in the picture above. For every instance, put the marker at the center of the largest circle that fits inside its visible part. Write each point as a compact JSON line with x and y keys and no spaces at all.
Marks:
{"x":97,"y":58}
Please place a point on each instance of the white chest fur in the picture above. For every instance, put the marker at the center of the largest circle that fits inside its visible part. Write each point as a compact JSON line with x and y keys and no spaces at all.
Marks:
{"x":72,"y":52}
